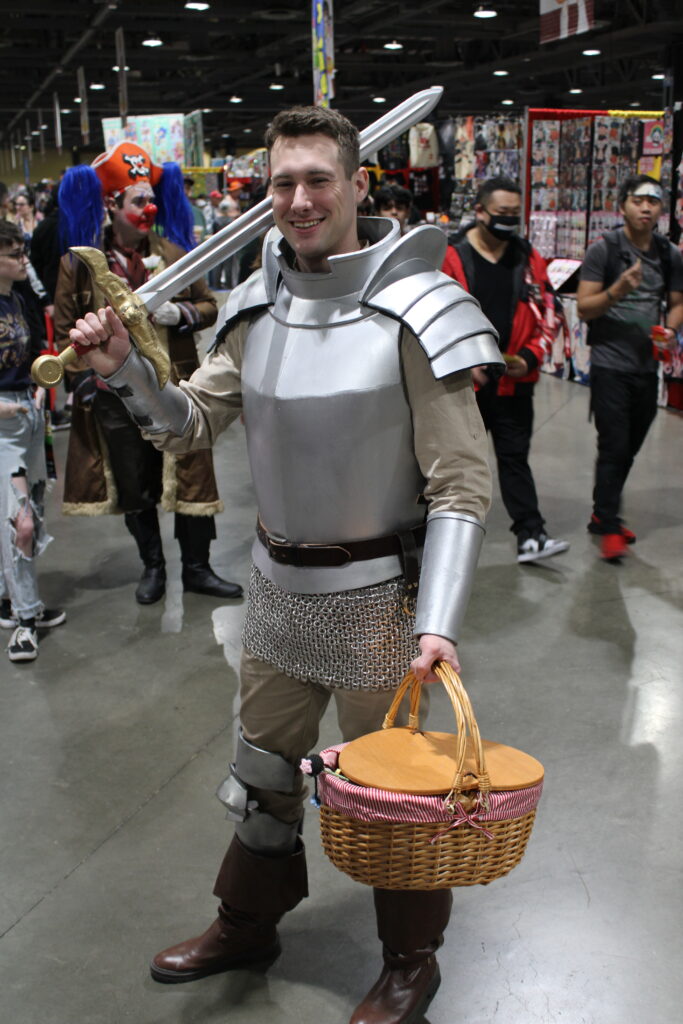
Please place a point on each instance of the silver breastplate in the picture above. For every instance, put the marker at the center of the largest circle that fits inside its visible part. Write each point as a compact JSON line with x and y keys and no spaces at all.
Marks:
{"x":329,"y":431}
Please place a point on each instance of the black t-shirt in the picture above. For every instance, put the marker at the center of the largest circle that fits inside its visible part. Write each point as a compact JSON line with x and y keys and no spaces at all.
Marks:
{"x":492,"y":287}
{"x":15,"y":344}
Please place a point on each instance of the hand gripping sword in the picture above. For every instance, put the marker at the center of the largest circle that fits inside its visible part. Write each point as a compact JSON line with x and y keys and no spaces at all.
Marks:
{"x":134,"y":308}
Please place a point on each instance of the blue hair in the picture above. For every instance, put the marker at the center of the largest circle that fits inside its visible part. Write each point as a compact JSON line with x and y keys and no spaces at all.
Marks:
{"x":174,"y":215}
{"x":81,"y":209}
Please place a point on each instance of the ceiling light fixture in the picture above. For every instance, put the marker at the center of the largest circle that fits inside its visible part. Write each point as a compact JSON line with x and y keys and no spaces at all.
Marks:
{"x":65,"y":110}
{"x":379,"y":99}
{"x":393,"y":45}
{"x":636,"y":103}
{"x":500,"y":73}
{"x":276,"y":86}
{"x":192,"y":6}
{"x":117,"y":68}
{"x":152,"y":40}
{"x":659,"y":76}
{"x":77,"y":99}
{"x":485,"y":11}
{"x":576,"y":92}
{"x":591,"y":53}
{"x":236,"y":99}
{"x":97,"y":86}
{"x":207,"y":110}
{"x":507,"y":103}
{"x":246,"y":130}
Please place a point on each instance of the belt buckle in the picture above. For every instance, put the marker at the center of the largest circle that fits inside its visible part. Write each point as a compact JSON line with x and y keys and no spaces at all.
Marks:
{"x":275,"y":545}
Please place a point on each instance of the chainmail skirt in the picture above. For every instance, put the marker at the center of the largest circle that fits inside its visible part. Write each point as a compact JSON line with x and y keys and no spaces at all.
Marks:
{"x":355,"y":640}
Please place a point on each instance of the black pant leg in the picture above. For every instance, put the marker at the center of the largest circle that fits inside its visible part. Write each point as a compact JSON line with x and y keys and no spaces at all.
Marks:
{"x":136,"y":464}
{"x":511,"y":433}
{"x":621,"y":427}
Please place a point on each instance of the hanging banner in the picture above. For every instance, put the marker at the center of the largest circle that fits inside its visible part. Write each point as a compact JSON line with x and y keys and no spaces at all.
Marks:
{"x":322,"y":39}
{"x":29,"y":142}
{"x":563,"y":18}
{"x":193,"y":129}
{"x":83,"y":93}
{"x":41,"y":136}
{"x":58,"y":121}
{"x":123,"y":81}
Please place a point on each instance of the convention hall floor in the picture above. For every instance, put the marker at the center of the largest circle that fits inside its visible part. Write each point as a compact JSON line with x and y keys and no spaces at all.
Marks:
{"x":114,"y":740}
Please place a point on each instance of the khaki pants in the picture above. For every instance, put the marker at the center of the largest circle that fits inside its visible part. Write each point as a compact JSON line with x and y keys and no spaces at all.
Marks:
{"x":282,"y":715}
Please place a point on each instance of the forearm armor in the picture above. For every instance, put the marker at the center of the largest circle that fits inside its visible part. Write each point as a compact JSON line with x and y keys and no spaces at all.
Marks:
{"x":451,"y":552}
{"x":156,"y":410}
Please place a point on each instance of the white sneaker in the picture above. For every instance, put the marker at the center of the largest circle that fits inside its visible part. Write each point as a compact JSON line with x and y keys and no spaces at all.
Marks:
{"x":23,"y":645}
{"x":533,"y":549}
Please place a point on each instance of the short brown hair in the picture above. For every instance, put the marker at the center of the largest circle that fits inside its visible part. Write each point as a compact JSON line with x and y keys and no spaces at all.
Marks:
{"x":318,"y":120}
{"x":10,"y":234}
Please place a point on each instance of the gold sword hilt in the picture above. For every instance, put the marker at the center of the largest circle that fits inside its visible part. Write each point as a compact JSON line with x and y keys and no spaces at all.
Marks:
{"x":48,"y":371}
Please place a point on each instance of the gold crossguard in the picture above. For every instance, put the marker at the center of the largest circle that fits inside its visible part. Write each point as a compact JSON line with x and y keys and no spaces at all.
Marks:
{"x":49,"y":370}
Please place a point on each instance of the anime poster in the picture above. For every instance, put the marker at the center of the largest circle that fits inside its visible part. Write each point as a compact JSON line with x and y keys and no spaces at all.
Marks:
{"x":322,"y":39}
{"x":653,"y":138}
{"x":485,"y":147}
{"x":160,"y":135}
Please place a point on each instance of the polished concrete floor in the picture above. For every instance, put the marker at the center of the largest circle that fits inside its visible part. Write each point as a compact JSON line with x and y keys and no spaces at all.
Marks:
{"x":113,"y":742}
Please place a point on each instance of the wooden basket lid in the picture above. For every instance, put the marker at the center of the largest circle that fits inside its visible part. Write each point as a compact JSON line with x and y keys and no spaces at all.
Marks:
{"x":405,"y":761}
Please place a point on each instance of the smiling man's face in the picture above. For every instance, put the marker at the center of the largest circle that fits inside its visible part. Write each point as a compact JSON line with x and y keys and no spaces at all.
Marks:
{"x":314,"y":200}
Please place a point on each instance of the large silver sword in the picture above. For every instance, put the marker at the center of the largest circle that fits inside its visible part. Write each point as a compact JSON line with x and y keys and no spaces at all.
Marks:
{"x":135,"y":307}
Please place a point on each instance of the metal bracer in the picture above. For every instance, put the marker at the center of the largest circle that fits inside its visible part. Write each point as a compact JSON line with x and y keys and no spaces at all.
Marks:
{"x":157,"y":410}
{"x":255,"y":768}
{"x":451,"y":552}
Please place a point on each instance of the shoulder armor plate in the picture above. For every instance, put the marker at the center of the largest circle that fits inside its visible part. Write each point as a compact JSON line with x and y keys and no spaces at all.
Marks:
{"x":445,"y":319}
{"x":254,"y":294}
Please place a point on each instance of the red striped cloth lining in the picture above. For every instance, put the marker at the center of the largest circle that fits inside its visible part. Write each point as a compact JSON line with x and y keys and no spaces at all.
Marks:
{"x":366,"y":804}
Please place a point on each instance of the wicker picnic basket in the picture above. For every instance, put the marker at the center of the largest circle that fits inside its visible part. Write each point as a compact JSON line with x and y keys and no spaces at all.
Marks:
{"x":404,"y":809}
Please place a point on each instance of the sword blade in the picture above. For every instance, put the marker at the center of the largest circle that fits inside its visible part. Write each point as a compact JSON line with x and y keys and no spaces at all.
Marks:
{"x":250,"y":225}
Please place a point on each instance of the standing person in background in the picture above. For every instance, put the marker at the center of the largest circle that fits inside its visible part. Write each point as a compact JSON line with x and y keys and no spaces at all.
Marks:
{"x":25,"y":213}
{"x":110,"y":467}
{"x":508,"y":278}
{"x":23,"y":471}
{"x":197,"y":214}
{"x":631,"y":281}
{"x":393,"y":201}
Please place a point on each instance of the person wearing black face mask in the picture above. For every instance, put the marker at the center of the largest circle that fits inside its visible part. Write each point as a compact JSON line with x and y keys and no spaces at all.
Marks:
{"x":509,"y":279}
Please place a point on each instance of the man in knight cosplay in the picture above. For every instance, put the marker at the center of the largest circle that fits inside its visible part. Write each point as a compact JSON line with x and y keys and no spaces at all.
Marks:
{"x":349,"y":355}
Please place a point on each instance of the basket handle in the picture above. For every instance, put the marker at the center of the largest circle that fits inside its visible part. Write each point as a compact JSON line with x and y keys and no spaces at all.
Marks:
{"x":465,"y":720}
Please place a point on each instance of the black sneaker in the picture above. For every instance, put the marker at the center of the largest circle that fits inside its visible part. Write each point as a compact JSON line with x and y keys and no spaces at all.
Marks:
{"x":48,"y":618}
{"x":23,"y":645}
{"x":535,"y":548}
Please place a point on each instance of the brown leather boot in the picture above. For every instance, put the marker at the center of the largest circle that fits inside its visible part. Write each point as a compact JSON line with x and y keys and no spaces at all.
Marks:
{"x":226,"y":944}
{"x":255,"y":892}
{"x":411,"y":926}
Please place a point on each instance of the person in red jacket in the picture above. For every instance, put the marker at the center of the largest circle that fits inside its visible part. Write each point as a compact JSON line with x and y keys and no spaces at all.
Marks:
{"x":509,"y":279}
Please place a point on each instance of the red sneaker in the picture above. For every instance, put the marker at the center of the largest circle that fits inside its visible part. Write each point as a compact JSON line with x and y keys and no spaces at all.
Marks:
{"x":612,"y":546}
{"x":595,"y":526}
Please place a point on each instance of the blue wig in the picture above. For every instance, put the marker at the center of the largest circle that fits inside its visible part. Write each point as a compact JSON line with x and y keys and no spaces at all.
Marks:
{"x":81,"y":208}
{"x":175,"y":213}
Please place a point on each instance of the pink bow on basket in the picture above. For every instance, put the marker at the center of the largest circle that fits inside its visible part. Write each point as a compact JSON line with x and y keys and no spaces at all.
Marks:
{"x":463,"y":818}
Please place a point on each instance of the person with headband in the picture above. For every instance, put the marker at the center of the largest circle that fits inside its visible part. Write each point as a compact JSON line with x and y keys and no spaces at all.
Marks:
{"x":110,"y":467}
{"x":631,"y":282}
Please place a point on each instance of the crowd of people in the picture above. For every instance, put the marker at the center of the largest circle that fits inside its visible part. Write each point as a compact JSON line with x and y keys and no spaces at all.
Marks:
{"x":366,"y":417}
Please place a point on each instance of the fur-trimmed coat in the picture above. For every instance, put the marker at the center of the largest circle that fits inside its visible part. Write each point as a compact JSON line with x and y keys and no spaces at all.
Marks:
{"x":189,"y":484}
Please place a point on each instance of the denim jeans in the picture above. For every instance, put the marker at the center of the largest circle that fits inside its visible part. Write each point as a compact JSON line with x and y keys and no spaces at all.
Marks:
{"x":22,"y":451}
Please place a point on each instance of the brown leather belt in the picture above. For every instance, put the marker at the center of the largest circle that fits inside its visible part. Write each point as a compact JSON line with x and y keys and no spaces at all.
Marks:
{"x":326,"y":555}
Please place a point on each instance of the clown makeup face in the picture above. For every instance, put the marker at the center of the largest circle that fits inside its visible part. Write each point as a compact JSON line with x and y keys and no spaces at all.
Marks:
{"x":133,"y":213}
